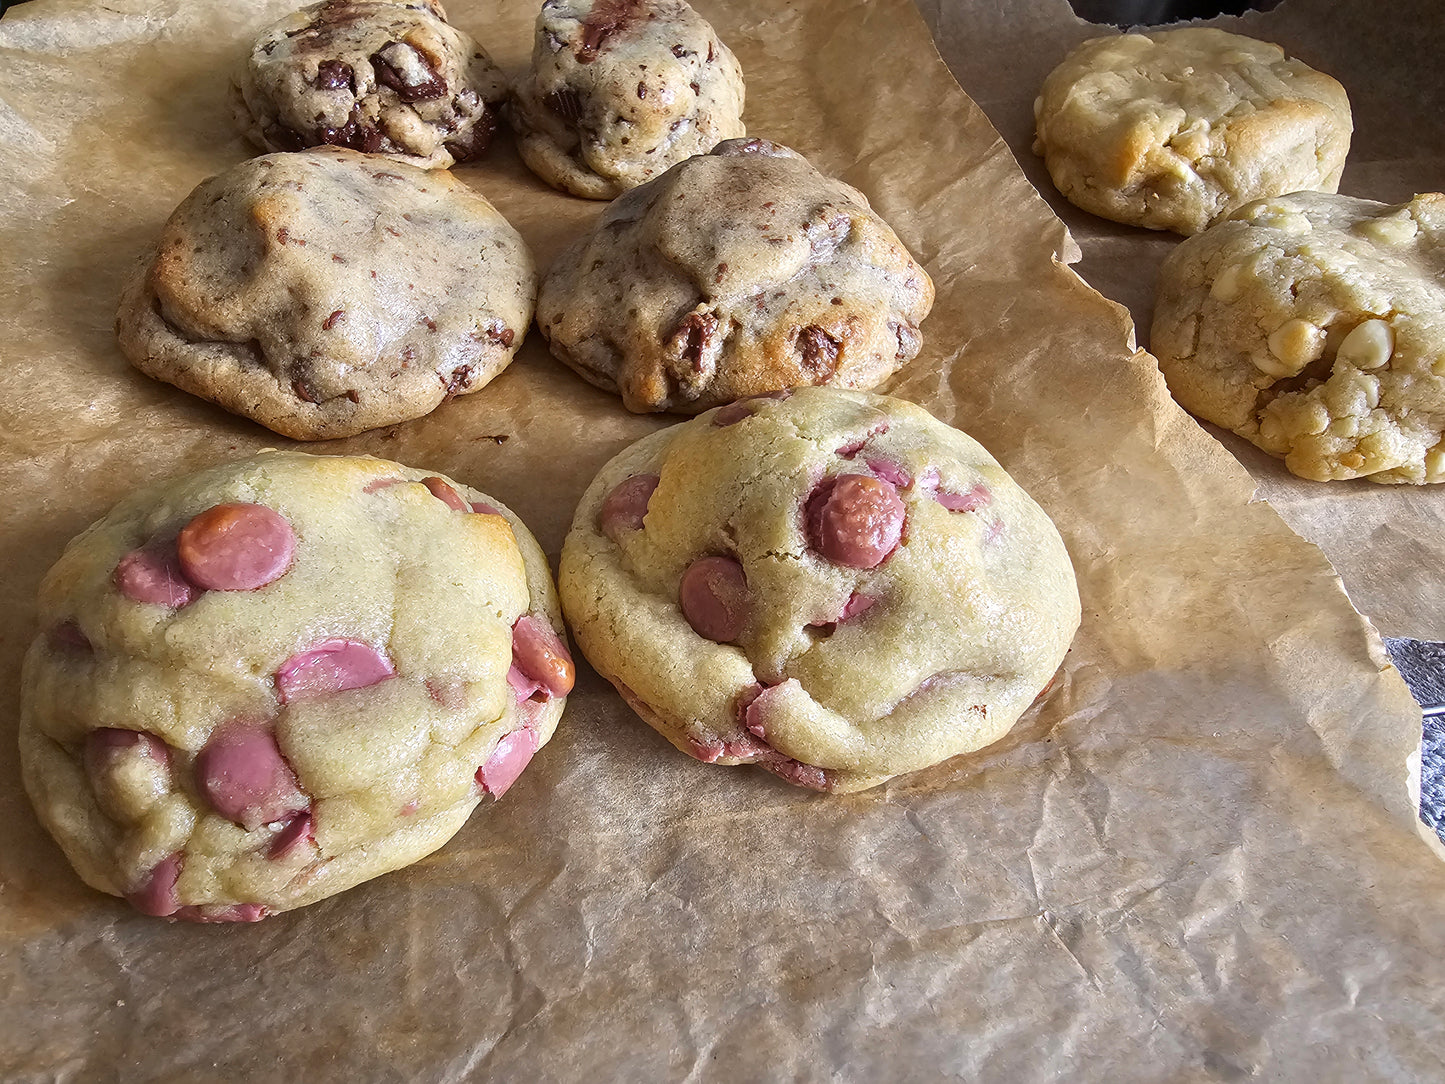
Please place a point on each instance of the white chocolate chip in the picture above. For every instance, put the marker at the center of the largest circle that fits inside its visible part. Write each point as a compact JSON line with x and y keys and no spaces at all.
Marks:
{"x":1368,"y":346}
{"x":1292,"y":346}
{"x":1226,"y":285}
{"x":1396,"y":229}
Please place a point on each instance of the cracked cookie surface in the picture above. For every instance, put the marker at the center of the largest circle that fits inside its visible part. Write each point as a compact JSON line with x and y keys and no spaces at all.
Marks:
{"x":735,"y":273}
{"x":1314,"y":326}
{"x":265,"y":683}
{"x":383,"y":78}
{"x":329,"y":292}
{"x":620,"y":90}
{"x":1173,"y":130}
{"x":833,"y":585}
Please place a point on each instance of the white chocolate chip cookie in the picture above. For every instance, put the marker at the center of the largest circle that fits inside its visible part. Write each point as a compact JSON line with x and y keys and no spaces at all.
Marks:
{"x":620,"y":90}
{"x":329,"y":292}
{"x":260,"y":685}
{"x":735,"y":273}
{"x":387,"y":78}
{"x":1175,"y":129}
{"x":1314,"y":326}
{"x":832,"y":585}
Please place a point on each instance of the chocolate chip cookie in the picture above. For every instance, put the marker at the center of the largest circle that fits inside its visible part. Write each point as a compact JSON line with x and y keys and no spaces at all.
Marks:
{"x":1173,"y":130}
{"x":383,"y":78}
{"x":329,"y":292}
{"x":620,"y":90}
{"x":1314,"y":326}
{"x":260,"y":685}
{"x":735,"y":273}
{"x":832,"y":585}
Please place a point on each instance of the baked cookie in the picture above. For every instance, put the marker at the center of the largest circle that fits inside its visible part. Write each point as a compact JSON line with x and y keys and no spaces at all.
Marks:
{"x":832,"y":585}
{"x":260,"y":685}
{"x":384,"y":78}
{"x":329,"y":292}
{"x":735,"y":273}
{"x":1314,"y":326}
{"x":1175,"y":129}
{"x":620,"y":90}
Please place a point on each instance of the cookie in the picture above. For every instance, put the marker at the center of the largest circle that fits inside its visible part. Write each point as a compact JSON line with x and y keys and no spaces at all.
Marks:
{"x":1175,"y":129}
{"x":383,"y":78}
{"x":1314,"y":326}
{"x":265,"y":683}
{"x":620,"y":90}
{"x":832,"y":585}
{"x":329,"y":292}
{"x":735,"y":273}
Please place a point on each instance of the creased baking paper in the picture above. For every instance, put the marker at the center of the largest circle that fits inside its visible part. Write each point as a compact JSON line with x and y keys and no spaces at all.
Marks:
{"x":1198,"y":860}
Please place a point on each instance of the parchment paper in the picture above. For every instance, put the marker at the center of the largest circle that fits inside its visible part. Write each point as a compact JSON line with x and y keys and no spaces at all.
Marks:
{"x":1388,"y":542}
{"x":1198,"y":860}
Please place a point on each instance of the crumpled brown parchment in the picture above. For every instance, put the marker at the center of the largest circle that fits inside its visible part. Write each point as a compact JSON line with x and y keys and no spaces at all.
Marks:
{"x":1198,"y":860}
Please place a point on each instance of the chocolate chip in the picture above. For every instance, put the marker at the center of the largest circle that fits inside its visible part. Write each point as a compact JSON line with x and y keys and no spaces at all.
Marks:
{"x":304,"y":393}
{"x":353,"y":134}
{"x":606,"y":18}
{"x":909,"y":340}
{"x":460,"y":378}
{"x":642,"y":90}
{"x":566,"y":103}
{"x":710,"y":53}
{"x":353,"y":396}
{"x":333,"y":74}
{"x":694,"y":335}
{"x":818,"y":351}
{"x":498,"y":332}
{"x":679,"y":52}
{"x":388,"y":74}
{"x":478,"y":137}
{"x":330,"y":321}
{"x":278,"y":135}
{"x":695,"y":88}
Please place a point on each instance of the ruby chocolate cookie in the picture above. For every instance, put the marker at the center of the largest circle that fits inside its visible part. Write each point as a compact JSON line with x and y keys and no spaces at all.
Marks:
{"x":268,"y":682}
{"x":383,"y":78}
{"x":832,"y":585}
{"x":736,"y":273}
{"x":620,"y":90}
{"x":329,"y":292}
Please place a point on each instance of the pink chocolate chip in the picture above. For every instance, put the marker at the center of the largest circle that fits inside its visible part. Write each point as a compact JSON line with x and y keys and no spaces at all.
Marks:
{"x":152,"y":574}
{"x":332,"y":666}
{"x":889,"y":471}
{"x":485,"y":509}
{"x":296,"y":831}
{"x":796,"y":772}
{"x":626,"y":505}
{"x":67,"y":637}
{"x":442,"y":490}
{"x":540,"y":656}
{"x":376,"y":485}
{"x":109,"y":746}
{"x":236,"y":547}
{"x":243,"y":776}
{"x":156,"y":895}
{"x":513,"y":753}
{"x":714,"y":598}
{"x":222,"y":912}
{"x":854,"y":520}
{"x":975,"y":498}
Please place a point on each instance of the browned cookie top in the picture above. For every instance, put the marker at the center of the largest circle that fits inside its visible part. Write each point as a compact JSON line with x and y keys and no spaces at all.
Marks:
{"x":622,"y":89}
{"x":328,"y":292}
{"x":384,"y":78}
{"x":733,"y":274}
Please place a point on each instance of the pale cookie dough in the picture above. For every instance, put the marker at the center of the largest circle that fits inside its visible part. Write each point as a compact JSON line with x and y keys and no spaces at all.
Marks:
{"x":832,"y":585}
{"x":329,"y":292}
{"x":1175,"y":129}
{"x":384,"y":78}
{"x":260,"y":685}
{"x":735,"y":273}
{"x":620,"y":90}
{"x":1314,"y":326}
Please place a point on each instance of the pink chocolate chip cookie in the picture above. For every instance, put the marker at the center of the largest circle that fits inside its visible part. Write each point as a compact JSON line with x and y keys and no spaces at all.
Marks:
{"x":259,"y":685}
{"x":833,"y":585}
